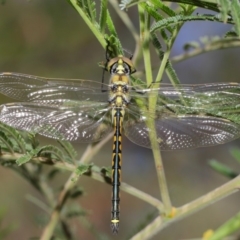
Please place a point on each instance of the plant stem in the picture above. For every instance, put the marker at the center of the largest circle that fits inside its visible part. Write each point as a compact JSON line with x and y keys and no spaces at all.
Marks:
{"x":91,"y":25}
{"x":55,"y":216}
{"x":158,"y":223}
{"x":208,"y":47}
{"x":213,"y":196}
{"x":145,"y":38}
{"x":125,"y":18}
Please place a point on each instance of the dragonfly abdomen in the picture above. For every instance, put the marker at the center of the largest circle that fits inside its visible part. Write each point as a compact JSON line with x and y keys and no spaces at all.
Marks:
{"x":118,"y":114}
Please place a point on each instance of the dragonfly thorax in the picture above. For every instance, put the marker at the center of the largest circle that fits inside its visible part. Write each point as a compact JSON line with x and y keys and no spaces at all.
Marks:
{"x":119,"y":95}
{"x":120,"y":68}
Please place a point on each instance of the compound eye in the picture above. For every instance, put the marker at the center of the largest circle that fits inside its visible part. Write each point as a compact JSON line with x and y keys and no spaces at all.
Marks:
{"x":126,"y":68}
{"x":114,"y":68}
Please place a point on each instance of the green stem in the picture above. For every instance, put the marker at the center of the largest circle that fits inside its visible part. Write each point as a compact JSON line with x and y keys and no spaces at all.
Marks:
{"x":91,"y":25}
{"x":159,"y":223}
{"x":125,"y":18}
{"x":145,"y":38}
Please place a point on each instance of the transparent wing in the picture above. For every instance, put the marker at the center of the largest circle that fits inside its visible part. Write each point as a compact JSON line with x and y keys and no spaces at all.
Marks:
{"x":24,"y":87}
{"x":182,"y":132}
{"x":187,"y":117}
{"x":218,"y":100}
{"x":77,"y":109}
{"x":82,"y":123}
{"x":57,"y":108}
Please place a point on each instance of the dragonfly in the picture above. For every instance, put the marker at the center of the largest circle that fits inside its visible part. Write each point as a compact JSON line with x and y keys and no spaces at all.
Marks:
{"x":184,"y":116}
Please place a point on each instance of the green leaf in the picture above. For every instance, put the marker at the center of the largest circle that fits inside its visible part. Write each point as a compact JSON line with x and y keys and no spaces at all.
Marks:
{"x":26,"y":157}
{"x":47,"y":150}
{"x":107,"y":173}
{"x":5,"y":230}
{"x":115,"y":46}
{"x":69,"y":149}
{"x":203,"y":4}
{"x":223,"y":169}
{"x":83,"y":168}
{"x":230,"y":34}
{"x":235,"y":10}
{"x":129,"y":3}
{"x":224,"y":7}
{"x":6,"y":141}
{"x":157,"y":16}
{"x":88,"y":6}
{"x":228,"y":228}
{"x":103,"y":15}
{"x":17,"y":138}
{"x":53,"y":173}
{"x":157,"y":4}
{"x":179,"y":19}
{"x":152,"y":12}
{"x":191,"y":45}
{"x":235,"y":152}
{"x":53,"y":150}
{"x":111,"y":26}
{"x":33,"y":140}
{"x":76,"y":192}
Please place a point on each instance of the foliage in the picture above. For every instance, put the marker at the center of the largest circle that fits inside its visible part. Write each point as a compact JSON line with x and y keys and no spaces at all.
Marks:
{"x":159,"y":24}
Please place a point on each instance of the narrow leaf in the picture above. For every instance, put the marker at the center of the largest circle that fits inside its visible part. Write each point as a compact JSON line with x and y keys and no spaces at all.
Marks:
{"x":26,"y":157}
{"x":235,"y":152}
{"x":230,"y":34}
{"x":203,"y":4}
{"x":83,"y":168}
{"x":88,"y":6}
{"x":179,"y":19}
{"x":235,"y":10}
{"x":106,"y":172}
{"x":69,"y":149}
{"x":223,"y":169}
{"x":6,"y":141}
{"x":224,"y":7}
{"x":159,"y":5}
{"x":227,"y":229}
{"x":76,"y":192}
{"x":110,"y":25}
{"x":129,"y":3}
{"x":157,"y":16}
{"x":191,"y":45}
{"x":103,"y":15}
{"x":53,"y":150}
{"x":15,"y":135}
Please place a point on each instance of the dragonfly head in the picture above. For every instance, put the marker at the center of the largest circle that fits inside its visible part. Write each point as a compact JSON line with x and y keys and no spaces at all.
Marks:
{"x":121,"y":66}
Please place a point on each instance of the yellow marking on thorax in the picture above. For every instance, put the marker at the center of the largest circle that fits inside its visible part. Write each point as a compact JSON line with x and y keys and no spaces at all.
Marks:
{"x":119,"y":101}
{"x":118,"y":79}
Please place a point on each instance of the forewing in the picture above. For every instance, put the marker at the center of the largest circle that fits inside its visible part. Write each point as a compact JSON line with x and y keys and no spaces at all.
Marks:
{"x":24,"y":87}
{"x":82,"y":123}
{"x":219,"y":100}
{"x":182,"y":132}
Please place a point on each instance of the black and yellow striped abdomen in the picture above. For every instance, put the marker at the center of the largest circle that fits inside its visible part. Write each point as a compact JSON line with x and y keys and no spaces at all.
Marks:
{"x":118,"y":114}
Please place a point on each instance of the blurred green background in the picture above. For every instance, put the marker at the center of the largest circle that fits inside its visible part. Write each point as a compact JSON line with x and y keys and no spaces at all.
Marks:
{"x":48,"y":38}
